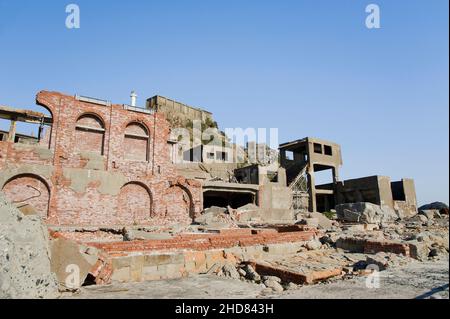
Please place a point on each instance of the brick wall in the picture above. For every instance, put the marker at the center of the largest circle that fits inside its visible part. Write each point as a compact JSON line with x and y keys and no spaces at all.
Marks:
{"x":102,"y":165}
{"x":35,"y":194}
{"x":197,"y":253}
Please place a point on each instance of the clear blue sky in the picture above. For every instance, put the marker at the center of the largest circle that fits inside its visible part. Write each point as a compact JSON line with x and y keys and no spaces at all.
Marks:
{"x":310,"y":68}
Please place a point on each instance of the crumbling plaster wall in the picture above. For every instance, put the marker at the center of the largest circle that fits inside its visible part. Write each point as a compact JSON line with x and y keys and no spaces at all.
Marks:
{"x":89,"y":187}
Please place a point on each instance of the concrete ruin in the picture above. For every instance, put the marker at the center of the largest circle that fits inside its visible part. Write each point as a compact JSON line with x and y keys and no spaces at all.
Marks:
{"x":97,"y":163}
{"x":122,"y":200}
{"x":303,"y":158}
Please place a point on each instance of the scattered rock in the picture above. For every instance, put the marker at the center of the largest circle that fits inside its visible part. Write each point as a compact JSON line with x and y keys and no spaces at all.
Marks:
{"x":327,"y":239}
{"x":290,"y":286}
{"x":242,"y":272}
{"x":323,"y":221}
{"x":251,"y":274}
{"x":313,"y":244}
{"x":366,"y":213}
{"x":438,"y":252}
{"x":429,"y":213}
{"x":274,"y":285}
{"x":422,"y":219}
{"x":348,"y":270}
{"x":274,"y":278}
{"x":381,"y":260}
{"x":441,"y":207}
{"x":434,"y":252}
{"x":230,"y":271}
{"x":216,"y":216}
{"x":418,"y":249}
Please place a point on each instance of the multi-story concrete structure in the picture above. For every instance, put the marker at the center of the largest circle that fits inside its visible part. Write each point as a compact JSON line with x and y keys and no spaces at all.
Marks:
{"x":304,"y":158}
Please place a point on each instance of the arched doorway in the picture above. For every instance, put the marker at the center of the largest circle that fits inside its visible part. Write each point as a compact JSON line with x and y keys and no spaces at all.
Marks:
{"x":28,"y":189}
{"x":135,"y":204}
{"x":178,"y":204}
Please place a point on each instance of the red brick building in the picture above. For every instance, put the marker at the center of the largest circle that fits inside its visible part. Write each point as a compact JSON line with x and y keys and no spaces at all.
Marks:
{"x":98,"y":164}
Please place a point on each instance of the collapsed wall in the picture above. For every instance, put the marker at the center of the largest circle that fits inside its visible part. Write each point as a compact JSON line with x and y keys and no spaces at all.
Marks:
{"x":24,"y":256}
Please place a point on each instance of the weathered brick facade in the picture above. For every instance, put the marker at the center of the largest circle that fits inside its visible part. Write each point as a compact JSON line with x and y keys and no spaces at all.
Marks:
{"x":99,"y":165}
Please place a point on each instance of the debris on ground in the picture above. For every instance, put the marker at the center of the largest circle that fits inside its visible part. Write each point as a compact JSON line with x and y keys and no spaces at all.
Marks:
{"x":368,"y":213}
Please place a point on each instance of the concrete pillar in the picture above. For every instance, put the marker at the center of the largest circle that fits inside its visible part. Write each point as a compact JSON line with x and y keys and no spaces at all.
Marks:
{"x":312,"y":190}
{"x":335,"y":171}
{"x":12,"y":131}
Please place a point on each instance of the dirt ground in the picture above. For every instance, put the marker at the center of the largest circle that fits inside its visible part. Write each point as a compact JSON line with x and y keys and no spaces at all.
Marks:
{"x":421,"y":280}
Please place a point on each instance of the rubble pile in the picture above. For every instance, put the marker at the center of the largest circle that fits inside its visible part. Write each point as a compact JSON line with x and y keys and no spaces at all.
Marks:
{"x":367,"y":213}
{"x":218,"y":217}
{"x":375,"y":240}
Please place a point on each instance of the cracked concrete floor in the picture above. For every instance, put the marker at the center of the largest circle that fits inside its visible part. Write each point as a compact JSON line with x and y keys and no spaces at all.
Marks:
{"x":415,"y":280}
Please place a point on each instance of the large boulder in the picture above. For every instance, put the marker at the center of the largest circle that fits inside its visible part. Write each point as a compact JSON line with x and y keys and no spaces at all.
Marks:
{"x":365,"y":213}
{"x":24,"y":256}
{"x":441,"y":207}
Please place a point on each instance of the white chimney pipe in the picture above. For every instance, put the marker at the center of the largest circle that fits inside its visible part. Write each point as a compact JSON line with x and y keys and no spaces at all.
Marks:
{"x":133,"y":98}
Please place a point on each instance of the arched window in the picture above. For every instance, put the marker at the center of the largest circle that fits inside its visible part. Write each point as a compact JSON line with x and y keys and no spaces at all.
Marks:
{"x":89,"y":134}
{"x":136,"y":144}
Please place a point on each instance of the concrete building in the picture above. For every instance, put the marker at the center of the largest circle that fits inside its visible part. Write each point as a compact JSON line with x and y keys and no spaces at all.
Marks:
{"x":182,"y":111}
{"x":209,"y":153}
{"x":379,"y":190}
{"x":303,"y":158}
{"x":306,"y":157}
{"x":98,"y":163}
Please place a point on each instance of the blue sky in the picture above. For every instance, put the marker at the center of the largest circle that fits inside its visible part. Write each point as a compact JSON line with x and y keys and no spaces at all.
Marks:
{"x":310,"y":68}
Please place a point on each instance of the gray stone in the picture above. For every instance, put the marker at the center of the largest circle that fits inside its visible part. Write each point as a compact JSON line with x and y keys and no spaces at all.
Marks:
{"x":381,"y":260}
{"x":251,"y":273}
{"x":313,"y":244}
{"x":312,"y":222}
{"x":419,"y":249}
{"x":437,"y":252}
{"x":242,"y":272}
{"x":291,"y":286}
{"x":323,"y":221}
{"x":348,"y":270}
{"x":275,"y":286}
{"x":428,"y":213}
{"x":274,"y":278}
{"x":436,"y":205}
{"x":365,"y":213}
{"x":421,"y":219}
{"x":24,"y":256}
{"x":230,"y":271}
